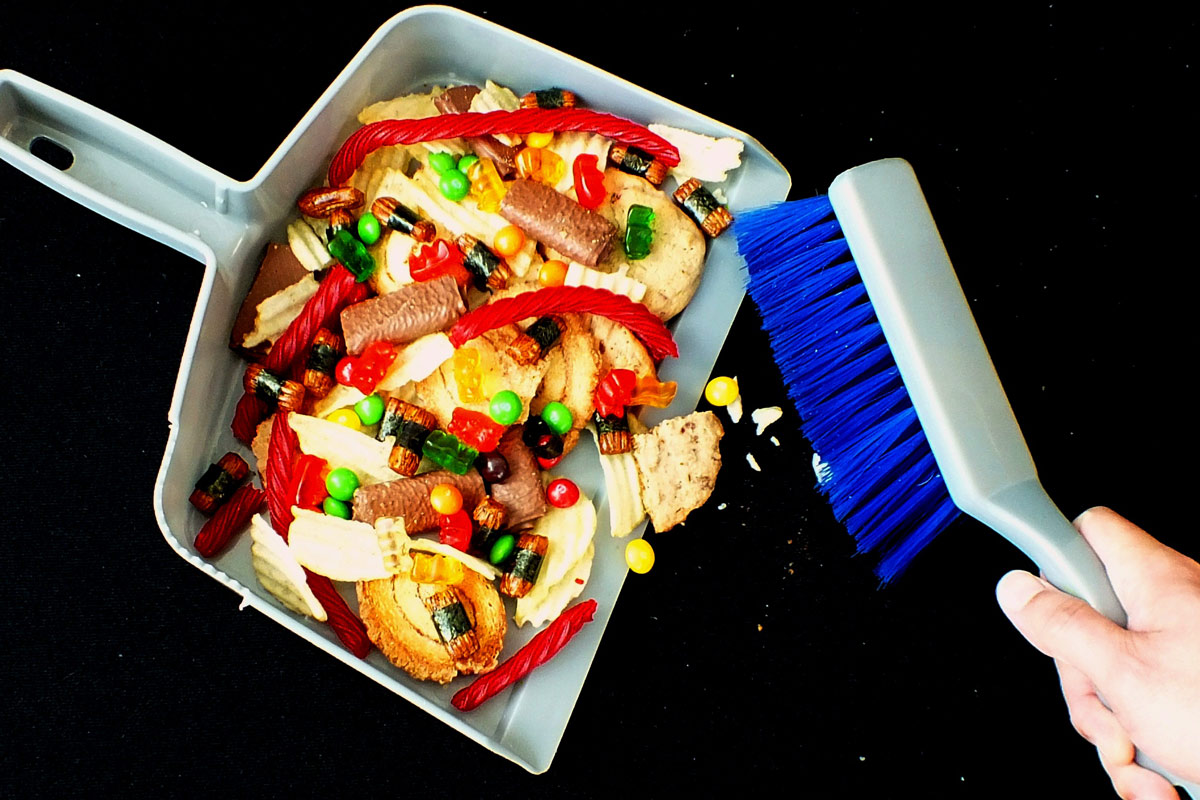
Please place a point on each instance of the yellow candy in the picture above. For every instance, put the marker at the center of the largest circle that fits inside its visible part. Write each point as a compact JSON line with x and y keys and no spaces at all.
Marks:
{"x":347,"y":417}
{"x":721,"y":391}
{"x":639,"y":555}
{"x":435,"y":568}
{"x":539,"y":139}
{"x":537,"y":164}
{"x":467,"y":375}
{"x":508,"y":241}
{"x":486,"y":185}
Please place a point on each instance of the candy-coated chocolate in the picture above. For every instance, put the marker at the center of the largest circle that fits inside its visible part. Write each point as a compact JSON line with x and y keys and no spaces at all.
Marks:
{"x":549,"y":446}
{"x":553,"y":273}
{"x":535,"y":428}
{"x":539,"y":139}
{"x":336,"y":508}
{"x":370,"y":409}
{"x":493,"y":467}
{"x":441,"y":163}
{"x":558,"y":417}
{"x":562,"y":493}
{"x":341,"y":484}
{"x":466,"y":161}
{"x":639,"y":555}
{"x":549,"y":463}
{"x":508,"y":241}
{"x":505,"y":406}
{"x":346,"y":417}
{"x":454,"y":185}
{"x":445,"y":498}
{"x":368,"y":229}
{"x":721,"y":391}
{"x":502,"y":549}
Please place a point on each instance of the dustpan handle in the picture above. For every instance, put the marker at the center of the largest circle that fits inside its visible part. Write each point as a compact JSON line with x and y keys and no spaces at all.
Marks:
{"x":116,"y":169}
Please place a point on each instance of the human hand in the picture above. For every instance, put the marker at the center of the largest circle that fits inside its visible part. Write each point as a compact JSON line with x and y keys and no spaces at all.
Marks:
{"x":1147,"y":673}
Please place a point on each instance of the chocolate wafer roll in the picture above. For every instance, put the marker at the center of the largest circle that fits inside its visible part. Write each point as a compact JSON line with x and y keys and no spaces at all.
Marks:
{"x":521,"y":493}
{"x":457,"y":100}
{"x":406,"y":314}
{"x":557,"y":221}
{"x":409,"y":498}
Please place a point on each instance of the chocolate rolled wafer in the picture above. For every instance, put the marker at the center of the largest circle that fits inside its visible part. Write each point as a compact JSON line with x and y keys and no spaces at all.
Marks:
{"x":521,"y":493}
{"x":557,"y":221}
{"x":404,"y":315}
{"x":457,"y":100}
{"x":409,"y":498}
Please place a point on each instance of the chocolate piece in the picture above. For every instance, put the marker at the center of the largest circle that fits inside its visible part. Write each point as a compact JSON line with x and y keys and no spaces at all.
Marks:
{"x":521,"y":493}
{"x":457,"y":100}
{"x":557,"y":221}
{"x":279,"y":270}
{"x":409,"y":498}
{"x":406,"y":314}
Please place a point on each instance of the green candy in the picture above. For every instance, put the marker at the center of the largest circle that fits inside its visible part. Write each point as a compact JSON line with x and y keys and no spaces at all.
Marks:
{"x":505,"y":407}
{"x":502,"y":549}
{"x":341,"y":484}
{"x":442,"y":162}
{"x":466,"y":161}
{"x":336,"y":508}
{"x":352,"y":254}
{"x":454,"y":185}
{"x":368,"y":228}
{"x":370,"y":409}
{"x":558,"y":417}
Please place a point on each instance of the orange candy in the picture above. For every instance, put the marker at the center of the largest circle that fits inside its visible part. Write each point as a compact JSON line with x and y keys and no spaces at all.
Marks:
{"x":553,"y":273}
{"x":508,"y":241}
{"x":537,"y":164}
{"x":445,"y":498}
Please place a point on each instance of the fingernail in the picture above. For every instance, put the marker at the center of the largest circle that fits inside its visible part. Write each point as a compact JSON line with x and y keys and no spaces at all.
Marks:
{"x":1016,"y":589}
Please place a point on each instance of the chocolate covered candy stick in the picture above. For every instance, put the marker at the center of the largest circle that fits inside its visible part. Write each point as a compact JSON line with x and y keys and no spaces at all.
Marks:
{"x":557,"y":221}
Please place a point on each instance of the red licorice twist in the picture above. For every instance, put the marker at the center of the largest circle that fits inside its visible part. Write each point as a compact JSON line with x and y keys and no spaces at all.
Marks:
{"x":281,"y":456}
{"x":568,"y":299}
{"x":370,"y":138}
{"x":229,"y":519}
{"x":338,"y":290}
{"x":537,"y":651}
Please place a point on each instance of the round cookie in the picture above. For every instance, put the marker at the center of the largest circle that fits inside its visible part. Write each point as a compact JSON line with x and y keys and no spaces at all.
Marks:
{"x":675,"y":265}
{"x":393,"y":610}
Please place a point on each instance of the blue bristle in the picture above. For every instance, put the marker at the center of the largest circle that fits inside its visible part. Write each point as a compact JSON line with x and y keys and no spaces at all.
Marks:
{"x":884,"y":484}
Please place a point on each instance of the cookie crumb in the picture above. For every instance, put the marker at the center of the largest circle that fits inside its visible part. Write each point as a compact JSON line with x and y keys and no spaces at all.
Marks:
{"x":722,"y":506}
{"x":774,"y":441}
{"x":735,"y":409}
{"x":753,"y":463}
{"x":763,"y":417}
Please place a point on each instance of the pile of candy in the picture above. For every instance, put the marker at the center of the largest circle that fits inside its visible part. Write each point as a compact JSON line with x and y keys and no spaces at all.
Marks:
{"x":486,"y":291}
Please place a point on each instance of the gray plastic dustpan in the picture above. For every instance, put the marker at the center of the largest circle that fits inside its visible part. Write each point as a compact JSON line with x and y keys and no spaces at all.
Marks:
{"x":137,"y":180}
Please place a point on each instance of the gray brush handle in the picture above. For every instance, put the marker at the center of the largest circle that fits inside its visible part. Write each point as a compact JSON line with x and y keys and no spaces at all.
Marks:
{"x":949,"y":376}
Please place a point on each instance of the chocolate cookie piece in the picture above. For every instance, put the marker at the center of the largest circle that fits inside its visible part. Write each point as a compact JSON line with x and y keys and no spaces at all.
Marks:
{"x":558,"y":222}
{"x":404,"y":315}
{"x":279,"y":270}
{"x":457,"y":100}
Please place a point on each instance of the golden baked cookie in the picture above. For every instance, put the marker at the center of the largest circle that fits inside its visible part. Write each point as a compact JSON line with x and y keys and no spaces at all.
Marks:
{"x":402,"y":627}
{"x":677,"y":463}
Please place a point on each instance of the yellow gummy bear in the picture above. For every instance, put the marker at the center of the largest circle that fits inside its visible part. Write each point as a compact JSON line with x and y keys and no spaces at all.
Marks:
{"x":486,"y":185}
{"x":537,"y":164}
{"x":467,"y":375}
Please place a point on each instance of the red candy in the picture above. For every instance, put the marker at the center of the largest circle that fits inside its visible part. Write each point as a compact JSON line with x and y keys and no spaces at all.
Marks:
{"x":549,"y":463}
{"x":307,"y":487}
{"x":589,"y":182}
{"x":365,"y":371}
{"x":476,"y":429}
{"x":455,"y":529}
{"x":439,"y":257}
{"x":614,"y":392}
{"x":562,"y":493}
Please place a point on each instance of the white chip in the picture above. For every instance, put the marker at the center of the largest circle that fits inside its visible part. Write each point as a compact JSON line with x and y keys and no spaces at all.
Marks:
{"x":753,"y":463}
{"x":735,"y":409}
{"x":763,"y":417}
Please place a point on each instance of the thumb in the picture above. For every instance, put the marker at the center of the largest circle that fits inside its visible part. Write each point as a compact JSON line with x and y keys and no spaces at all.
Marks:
{"x":1062,"y":626}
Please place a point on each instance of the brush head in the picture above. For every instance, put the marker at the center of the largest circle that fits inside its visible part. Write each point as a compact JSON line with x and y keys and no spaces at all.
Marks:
{"x":879,"y":473}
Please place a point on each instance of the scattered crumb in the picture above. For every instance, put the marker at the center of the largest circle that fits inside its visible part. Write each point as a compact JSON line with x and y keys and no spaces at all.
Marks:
{"x":821,"y":470}
{"x":753,"y":463}
{"x":760,"y":626}
{"x":763,"y":417}
{"x":722,"y":506}
{"x":579,"y":581}
{"x":774,"y":441}
{"x":735,"y":409}
{"x":862,"y":758}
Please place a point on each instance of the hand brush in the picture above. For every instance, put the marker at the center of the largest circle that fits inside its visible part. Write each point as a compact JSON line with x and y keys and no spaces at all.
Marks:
{"x":893,"y":383}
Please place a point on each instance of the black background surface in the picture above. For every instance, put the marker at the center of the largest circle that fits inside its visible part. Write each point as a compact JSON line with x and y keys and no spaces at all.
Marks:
{"x":1056,"y":148}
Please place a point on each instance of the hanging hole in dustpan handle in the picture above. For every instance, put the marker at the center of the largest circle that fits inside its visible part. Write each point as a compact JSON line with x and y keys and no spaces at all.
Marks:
{"x":116,"y":169}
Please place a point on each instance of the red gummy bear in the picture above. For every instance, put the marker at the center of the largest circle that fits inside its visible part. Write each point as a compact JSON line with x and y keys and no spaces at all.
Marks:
{"x":365,"y":371}
{"x":589,"y":182}
{"x":615,"y":392}
{"x":455,"y":529}
{"x":438,"y":258}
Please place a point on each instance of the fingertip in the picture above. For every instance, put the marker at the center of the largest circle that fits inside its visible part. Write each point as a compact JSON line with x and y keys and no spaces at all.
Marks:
{"x":1016,"y":589}
{"x":1094,"y":511}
